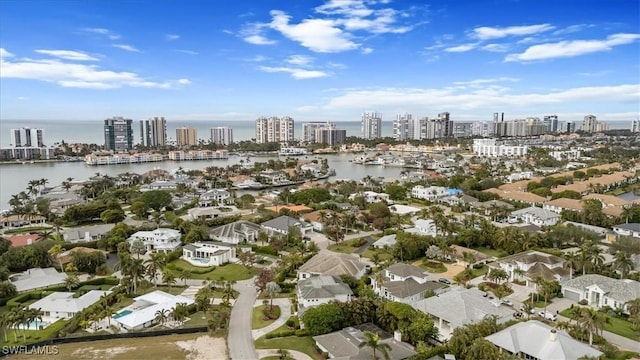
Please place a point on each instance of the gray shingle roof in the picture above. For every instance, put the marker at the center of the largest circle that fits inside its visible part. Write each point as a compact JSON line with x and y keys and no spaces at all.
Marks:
{"x":409,"y":287}
{"x":404,"y":270}
{"x":621,"y":290}
{"x":322,"y":287}
{"x":282,"y":223}
{"x":540,"y":213}
{"x":343,"y":344}
{"x":630,"y":226}
{"x":333,"y":264}
{"x":237,"y":230}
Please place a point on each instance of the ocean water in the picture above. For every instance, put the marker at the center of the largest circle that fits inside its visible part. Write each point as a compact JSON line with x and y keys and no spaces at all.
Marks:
{"x":92,"y":131}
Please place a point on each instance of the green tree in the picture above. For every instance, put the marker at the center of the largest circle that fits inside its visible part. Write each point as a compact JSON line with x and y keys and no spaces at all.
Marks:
{"x":592,"y":321}
{"x":71,"y":282}
{"x":483,"y":349}
{"x":323,"y":319}
{"x":156,"y":199}
{"x":140,"y":209}
{"x":373,"y":342}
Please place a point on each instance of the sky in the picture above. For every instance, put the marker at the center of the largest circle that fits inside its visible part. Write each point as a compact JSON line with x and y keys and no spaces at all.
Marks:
{"x":319,"y":60}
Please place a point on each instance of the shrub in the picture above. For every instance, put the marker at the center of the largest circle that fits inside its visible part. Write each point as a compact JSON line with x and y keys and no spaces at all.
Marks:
{"x":302,"y":333}
{"x":359,"y":242}
{"x":266,"y":250}
{"x":283,"y":333}
{"x":583,"y":302}
{"x":290,"y":323}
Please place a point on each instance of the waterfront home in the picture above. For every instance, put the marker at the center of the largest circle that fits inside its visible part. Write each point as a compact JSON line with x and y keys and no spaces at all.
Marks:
{"x":430,"y":193}
{"x":534,"y":264}
{"x":273,"y":177}
{"x":142,"y":313}
{"x":630,"y":229}
{"x":11,"y":221}
{"x":536,"y":340}
{"x":333,"y":264}
{"x":426,"y":227}
{"x":215,"y":197}
{"x":37,"y":278}
{"x":64,"y":305}
{"x":207,"y":254}
{"x":86,"y":233}
{"x":292,"y":151}
{"x":237,"y":232}
{"x":346,"y":344}
{"x":600,"y":291}
{"x":281,"y":225}
{"x":318,"y":290}
{"x":179,"y":155}
{"x":23,"y":240}
{"x":534,"y":215}
{"x":314,"y":169}
{"x":167,"y":185}
{"x":405,"y":283}
{"x":158,"y":240}
{"x":460,"y":306}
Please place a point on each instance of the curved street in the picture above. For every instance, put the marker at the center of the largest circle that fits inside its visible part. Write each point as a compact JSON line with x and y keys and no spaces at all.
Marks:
{"x":239,"y":340}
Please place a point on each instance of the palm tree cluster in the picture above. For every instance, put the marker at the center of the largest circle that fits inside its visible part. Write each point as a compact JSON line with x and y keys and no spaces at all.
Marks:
{"x":25,"y":202}
{"x":132,"y":269}
{"x":586,"y":320}
{"x":18,"y":320}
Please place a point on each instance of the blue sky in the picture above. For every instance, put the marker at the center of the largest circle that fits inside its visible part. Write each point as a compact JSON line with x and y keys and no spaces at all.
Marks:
{"x":319,"y":60}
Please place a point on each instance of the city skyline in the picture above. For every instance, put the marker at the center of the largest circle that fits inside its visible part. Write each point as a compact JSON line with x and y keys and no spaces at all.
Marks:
{"x":320,"y":60}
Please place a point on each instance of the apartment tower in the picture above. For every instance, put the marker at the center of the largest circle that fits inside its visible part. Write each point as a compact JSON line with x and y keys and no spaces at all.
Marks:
{"x":186,"y":136}
{"x":222,"y":135}
{"x":274,"y":129}
{"x":371,"y":125}
{"x":118,"y":134}
{"x":27,"y":137}
{"x":153,"y":132}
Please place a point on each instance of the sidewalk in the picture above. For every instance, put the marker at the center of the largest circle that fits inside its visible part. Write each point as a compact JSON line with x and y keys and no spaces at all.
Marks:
{"x":297,"y":355}
{"x":285,"y":314}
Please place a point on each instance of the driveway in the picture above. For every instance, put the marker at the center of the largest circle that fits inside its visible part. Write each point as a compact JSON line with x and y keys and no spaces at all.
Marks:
{"x":239,"y":340}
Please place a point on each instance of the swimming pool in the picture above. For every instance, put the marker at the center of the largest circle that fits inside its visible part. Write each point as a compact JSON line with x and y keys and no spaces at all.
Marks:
{"x":201,"y":260}
{"x":122,"y":313}
{"x":35,"y":325}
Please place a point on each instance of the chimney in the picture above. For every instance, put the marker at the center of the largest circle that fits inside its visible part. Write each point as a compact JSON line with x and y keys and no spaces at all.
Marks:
{"x":397,"y":336}
{"x":553,"y":335}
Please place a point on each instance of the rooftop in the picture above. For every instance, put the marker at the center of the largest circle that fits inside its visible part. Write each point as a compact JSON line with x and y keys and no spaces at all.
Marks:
{"x":322,"y":287}
{"x":344,"y":344}
{"x":540,"y":213}
{"x":65,"y":302}
{"x":621,"y":290}
{"x":37,"y":278}
{"x":333,"y":264}
{"x":282,"y":223}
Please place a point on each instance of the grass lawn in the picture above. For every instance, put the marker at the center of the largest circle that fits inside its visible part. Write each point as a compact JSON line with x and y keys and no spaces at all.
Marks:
{"x":492,"y":252}
{"x":32,"y":335}
{"x":342,"y":248}
{"x":302,"y":344}
{"x":233,"y":272}
{"x":435,"y":267}
{"x":479,"y":272}
{"x":257,"y":318}
{"x":284,"y":326}
{"x":381,"y":254}
{"x":198,"y":318}
{"x":616,"y":325}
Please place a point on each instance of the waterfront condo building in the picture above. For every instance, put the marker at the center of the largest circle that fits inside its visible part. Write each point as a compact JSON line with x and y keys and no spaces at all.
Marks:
{"x":403,"y":127}
{"x":371,"y":125}
{"x":274,"y":129}
{"x":118,"y":134}
{"x":551,"y":122}
{"x":27,"y":137}
{"x":153,"y":132}
{"x":222,"y":135}
{"x":591,"y":124}
{"x":330,"y":136}
{"x":309,"y":129}
{"x":186,"y":136}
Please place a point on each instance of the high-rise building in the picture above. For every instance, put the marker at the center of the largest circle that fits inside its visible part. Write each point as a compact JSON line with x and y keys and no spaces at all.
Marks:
{"x":330,"y":136}
{"x":403,"y":127}
{"x":439,"y":128}
{"x":274,"y":129}
{"x":590,"y":124}
{"x":27,"y":137}
{"x":635,"y":126}
{"x":153,"y":132}
{"x":551,"y":122}
{"x":371,"y":125}
{"x":463,"y":129}
{"x":222,"y":135}
{"x":118,"y":134}
{"x":309,"y":129}
{"x":186,"y":136}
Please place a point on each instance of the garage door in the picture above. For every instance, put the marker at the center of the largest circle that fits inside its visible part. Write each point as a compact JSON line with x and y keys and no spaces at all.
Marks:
{"x":572,"y":295}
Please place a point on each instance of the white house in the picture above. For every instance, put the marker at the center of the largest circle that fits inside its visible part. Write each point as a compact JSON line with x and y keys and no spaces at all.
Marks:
{"x":430,"y":193}
{"x":403,"y":209}
{"x":334,"y":264}
{"x":405,"y":283}
{"x":236,"y":232}
{"x":159,"y":240}
{"x":318,"y":290}
{"x":142,"y":313}
{"x":423,"y":227}
{"x":387,"y":240}
{"x":274,"y":177}
{"x":523,"y":175}
{"x":372,"y":197}
{"x":37,"y":278}
{"x":534,"y":215}
{"x":536,"y":340}
{"x":208,"y":254}
{"x":86,"y":233}
{"x":601,"y":291}
{"x":630,"y":229}
{"x":281,"y":225}
{"x":215,"y":197}
{"x":63,"y":305}
{"x":534,"y":264}
{"x":159,"y":185}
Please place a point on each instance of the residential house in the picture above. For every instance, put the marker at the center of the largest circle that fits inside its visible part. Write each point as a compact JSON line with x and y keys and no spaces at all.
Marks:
{"x":167,"y":185}
{"x":387,"y":240}
{"x":523,"y":175}
{"x":23,"y":240}
{"x":11,"y":221}
{"x":318,"y":218}
{"x":273,"y":177}
{"x":67,"y":256}
{"x":461,"y":306}
{"x":281,"y":225}
{"x":465,"y":260}
{"x":64,"y":305}
{"x":215,"y":197}
{"x":426,"y":227}
{"x":142,"y":313}
{"x":334,"y":264}
{"x":600,"y":291}
{"x":405,"y":283}
{"x":561,"y":204}
{"x":237,"y":232}
{"x":534,"y":215}
{"x":453,"y":200}
{"x":206,"y":254}
{"x":37,"y":278}
{"x":516,"y":195}
{"x":86,"y":233}
{"x":536,"y":340}
{"x":492,"y":207}
{"x":158,"y":240}
{"x":372,"y":197}
{"x":403,"y":209}
{"x":346,"y":344}
{"x":209,"y":213}
{"x":630,"y":229}
{"x":531,"y":264}
{"x":430,"y":193}
{"x":318,"y":290}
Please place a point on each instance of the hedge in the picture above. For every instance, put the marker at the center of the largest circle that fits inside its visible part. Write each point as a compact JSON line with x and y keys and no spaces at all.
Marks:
{"x":22,"y":298}
{"x":283,"y":333}
{"x":176,"y":267}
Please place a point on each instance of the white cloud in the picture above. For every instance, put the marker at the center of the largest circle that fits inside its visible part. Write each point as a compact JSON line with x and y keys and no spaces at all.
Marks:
{"x":572,"y":29}
{"x":23,"y":98}
{"x":188,"y":52}
{"x":75,"y":75}
{"x":258,"y":40}
{"x":171,"y":37}
{"x":299,"y":60}
{"x":257,"y":58}
{"x":495,"y":47}
{"x":486,"y":81}
{"x":5,"y":54}
{"x":595,"y":73}
{"x":572,"y":48}
{"x":461,"y":48}
{"x":68,"y":55}
{"x":366,"y":51}
{"x":126,"y":47}
{"x":488,"y":33}
{"x":296,"y":73}
{"x":480,"y":99}
{"x":253,"y":34}
{"x":101,"y":31}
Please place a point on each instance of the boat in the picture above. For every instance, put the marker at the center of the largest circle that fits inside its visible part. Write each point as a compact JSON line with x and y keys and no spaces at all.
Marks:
{"x":293,"y":151}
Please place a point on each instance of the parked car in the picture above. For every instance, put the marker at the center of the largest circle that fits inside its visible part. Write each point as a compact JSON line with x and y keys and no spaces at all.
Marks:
{"x":507,"y":302}
{"x":547,"y":315}
{"x":445,"y":281}
{"x":532,"y":311}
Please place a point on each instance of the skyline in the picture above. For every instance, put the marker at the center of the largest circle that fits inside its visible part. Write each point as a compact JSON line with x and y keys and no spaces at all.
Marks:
{"x":319,"y":60}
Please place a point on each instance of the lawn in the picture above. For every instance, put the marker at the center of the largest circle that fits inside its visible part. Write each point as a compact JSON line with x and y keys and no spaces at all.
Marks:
{"x":616,"y":325}
{"x":435,"y":267}
{"x":198,"y":318}
{"x":302,"y":344}
{"x":479,"y":272}
{"x":492,"y":252}
{"x":32,"y":335}
{"x":381,"y":254}
{"x":27,"y":229}
{"x":234,"y":272}
{"x":257,"y":318}
{"x":342,"y":247}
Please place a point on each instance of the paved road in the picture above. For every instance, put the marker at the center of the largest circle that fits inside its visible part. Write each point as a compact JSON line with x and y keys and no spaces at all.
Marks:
{"x":285,"y":314}
{"x":240,"y":341}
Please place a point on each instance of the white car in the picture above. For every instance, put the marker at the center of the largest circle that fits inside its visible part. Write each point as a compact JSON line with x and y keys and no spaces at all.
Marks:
{"x":547,"y":315}
{"x":507,"y":302}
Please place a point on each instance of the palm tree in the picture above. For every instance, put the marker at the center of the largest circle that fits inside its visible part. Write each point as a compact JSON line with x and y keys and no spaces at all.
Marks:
{"x":622,"y":262}
{"x":228,"y":292}
{"x":37,"y":315}
{"x":168,"y":278}
{"x":162,"y":316}
{"x":56,"y":250}
{"x":184,"y":276}
{"x":71,"y":282}
{"x":592,"y":320}
{"x":284,"y":355}
{"x":155,"y":263}
{"x":372,"y":340}
{"x":5,"y":323}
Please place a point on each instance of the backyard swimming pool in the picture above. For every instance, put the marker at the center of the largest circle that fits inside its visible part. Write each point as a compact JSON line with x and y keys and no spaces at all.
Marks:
{"x":35,"y":325}
{"x":122,"y":313}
